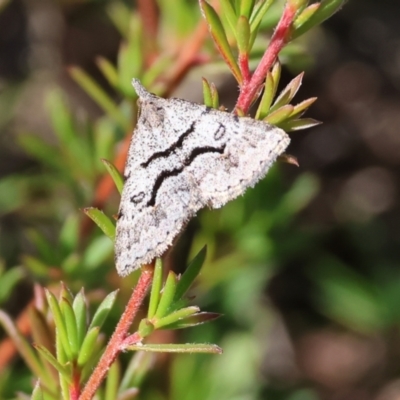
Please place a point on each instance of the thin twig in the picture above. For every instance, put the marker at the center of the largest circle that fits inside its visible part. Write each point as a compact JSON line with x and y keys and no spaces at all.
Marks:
{"x":115,"y":345}
{"x":278,"y":41}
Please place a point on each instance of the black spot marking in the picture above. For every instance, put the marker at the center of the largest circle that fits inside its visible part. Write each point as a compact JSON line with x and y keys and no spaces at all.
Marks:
{"x":220,"y":132}
{"x":137,"y":198}
{"x":167,"y":174}
{"x":120,"y":214}
{"x":236,"y":118}
{"x":167,"y":152}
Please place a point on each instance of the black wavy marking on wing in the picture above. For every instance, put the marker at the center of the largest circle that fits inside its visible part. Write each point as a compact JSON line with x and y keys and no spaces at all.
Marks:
{"x":167,"y":174}
{"x":177,"y":144}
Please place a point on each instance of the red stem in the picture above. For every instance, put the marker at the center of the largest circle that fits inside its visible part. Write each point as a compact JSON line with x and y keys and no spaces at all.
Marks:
{"x":248,"y":91}
{"x":244,"y":68}
{"x":115,"y":345}
{"x":75,"y":387}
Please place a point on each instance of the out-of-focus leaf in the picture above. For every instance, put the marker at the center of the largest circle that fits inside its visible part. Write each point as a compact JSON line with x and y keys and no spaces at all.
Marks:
{"x":115,"y":175}
{"x":42,"y":151}
{"x":130,"y":59}
{"x":65,"y":371}
{"x":23,"y":347}
{"x":97,"y":252}
{"x":42,"y":245}
{"x":102,"y":221}
{"x":8,"y":280}
{"x":108,"y":70}
{"x":99,"y":96}
{"x":69,"y":234}
{"x":37,"y":393}
{"x":120,"y":15}
{"x":347,"y":297}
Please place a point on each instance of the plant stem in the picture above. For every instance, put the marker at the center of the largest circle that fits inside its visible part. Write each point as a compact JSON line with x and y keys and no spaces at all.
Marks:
{"x":249,"y":90}
{"x":115,"y":345}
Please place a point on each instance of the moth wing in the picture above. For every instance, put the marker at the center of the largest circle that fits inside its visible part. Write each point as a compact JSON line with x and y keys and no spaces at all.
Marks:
{"x":251,"y":147}
{"x":145,"y":232}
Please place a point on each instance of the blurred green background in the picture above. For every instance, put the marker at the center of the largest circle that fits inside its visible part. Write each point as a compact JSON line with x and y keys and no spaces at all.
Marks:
{"x":305,"y":268}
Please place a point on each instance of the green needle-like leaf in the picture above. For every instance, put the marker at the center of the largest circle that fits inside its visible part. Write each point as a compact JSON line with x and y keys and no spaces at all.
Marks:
{"x":62,"y":333}
{"x":167,"y":295}
{"x":280,"y":115}
{"x":64,"y":371}
{"x":103,"y":310}
{"x":288,"y":93}
{"x":299,"y":124}
{"x":108,"y":70}
{"x":23,"y":347}
{"x":155,"y":289}
{"x":115,"y":175}
{"x":300,"y":108}
{"x":243,"y":35}
{"x":130,"y":58}
{"x":267,"y":97}
{"x":220,"y":39}
{"x":88,"y":346}
{"x":207,"y":93}
{"x":175,"y":316}
{"x":258,"y":13}
{"x":101,"y":220}
{"x":70,"y":323}
{"x":214,"y":96}
{"x":94,"y":90}
{"x":246,"y":8}
{"x":178,"y":348}
{"x":190,"y":274}
{"x":112,"y":382}
{"x":80,"y":311}
{"x":193,"y":320}
{"x":305,"y":15}
{"x":229,"y":14}
{"x":326,"y":9}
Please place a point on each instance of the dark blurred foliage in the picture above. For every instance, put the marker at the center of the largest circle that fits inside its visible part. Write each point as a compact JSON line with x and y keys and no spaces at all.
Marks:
{"x":329,"y":308}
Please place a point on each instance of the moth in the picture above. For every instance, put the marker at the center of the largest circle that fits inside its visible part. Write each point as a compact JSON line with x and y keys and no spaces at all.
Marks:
{"x":184,"y":156}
